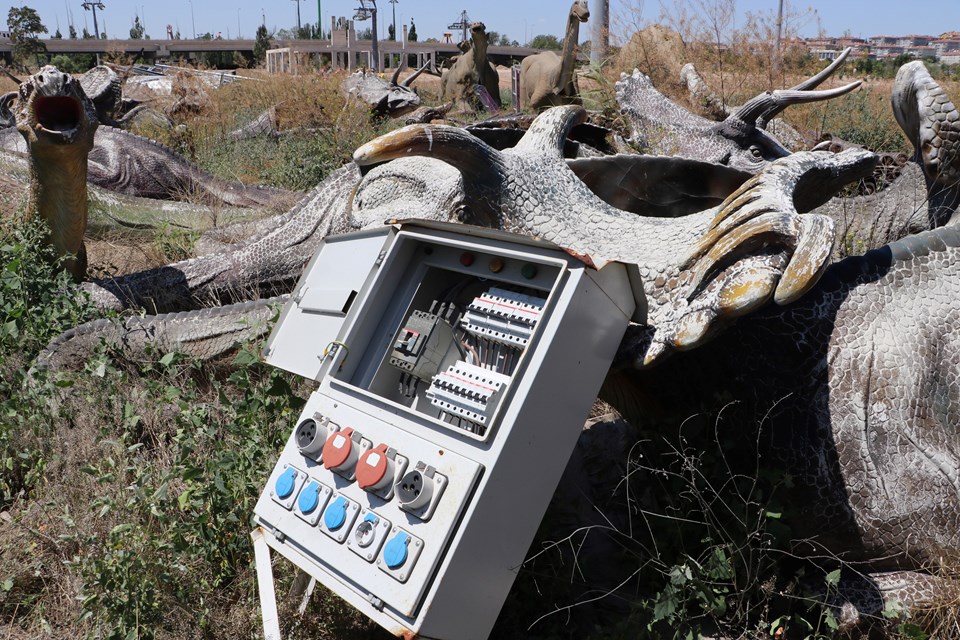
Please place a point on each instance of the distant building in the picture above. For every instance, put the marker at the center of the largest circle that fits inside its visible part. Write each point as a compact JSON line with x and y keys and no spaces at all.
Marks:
{"x":950,"y":58}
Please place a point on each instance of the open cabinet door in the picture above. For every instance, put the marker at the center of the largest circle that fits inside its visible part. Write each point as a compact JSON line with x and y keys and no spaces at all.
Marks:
{"x":315,"y":317}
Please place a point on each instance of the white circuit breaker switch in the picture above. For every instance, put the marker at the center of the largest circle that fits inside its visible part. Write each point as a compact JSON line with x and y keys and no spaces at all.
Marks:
{"x":504,"y":316}
{"x":468,"y":391}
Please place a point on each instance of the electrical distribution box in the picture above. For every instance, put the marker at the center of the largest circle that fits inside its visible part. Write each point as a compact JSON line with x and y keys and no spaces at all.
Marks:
{"x":456,"y":367}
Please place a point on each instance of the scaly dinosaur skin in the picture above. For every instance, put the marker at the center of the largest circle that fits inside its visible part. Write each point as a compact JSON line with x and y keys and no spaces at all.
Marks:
{"x":686,"y":262}
{"x":57,"y":123}
{"x":205,"y":334}
{"x":855,"y":389}
{"x":548,"y":79}
{"x":926,"y":193}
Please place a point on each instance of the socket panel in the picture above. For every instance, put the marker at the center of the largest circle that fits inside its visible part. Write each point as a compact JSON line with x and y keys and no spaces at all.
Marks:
{"x":343,"y":506}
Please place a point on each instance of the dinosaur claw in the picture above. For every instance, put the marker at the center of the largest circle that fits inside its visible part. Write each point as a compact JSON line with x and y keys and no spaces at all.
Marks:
{"x":809,"y":259}
{"x":747,"y":288}
{"x":691,"y":328}
{"x":766,"y":229}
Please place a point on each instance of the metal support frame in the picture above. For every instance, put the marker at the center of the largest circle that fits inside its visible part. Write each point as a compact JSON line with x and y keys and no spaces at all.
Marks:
{"x":265,"y":586}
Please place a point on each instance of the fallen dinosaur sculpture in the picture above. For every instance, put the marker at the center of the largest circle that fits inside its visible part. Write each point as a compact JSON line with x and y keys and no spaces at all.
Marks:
{"x":130,"y":164}
{"x":854,"y":388}
{"x":548,"y":79}
{"x":57,"y":122}
{"x":717,"y":109}
{"x":680,"y":257}
{"x":662,"y":127}
{"x":392,"y":99}
{"x":471,"y":69}
{"x":701,"y":272}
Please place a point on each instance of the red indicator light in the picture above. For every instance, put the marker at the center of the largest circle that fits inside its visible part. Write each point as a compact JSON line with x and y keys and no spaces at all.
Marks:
{"x":466,"y":258}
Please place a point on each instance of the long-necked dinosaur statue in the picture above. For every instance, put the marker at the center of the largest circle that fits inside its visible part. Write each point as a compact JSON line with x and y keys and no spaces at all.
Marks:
{"x":458,"y":83}
{"x":548,"y":79}
{"x":57,"y":122}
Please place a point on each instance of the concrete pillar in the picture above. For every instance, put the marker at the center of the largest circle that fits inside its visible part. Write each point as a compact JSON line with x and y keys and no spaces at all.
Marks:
{"x":600,"y":33}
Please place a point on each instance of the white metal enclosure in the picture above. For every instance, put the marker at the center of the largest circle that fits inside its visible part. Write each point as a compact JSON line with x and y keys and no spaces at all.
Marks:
{"x":456,"y":367}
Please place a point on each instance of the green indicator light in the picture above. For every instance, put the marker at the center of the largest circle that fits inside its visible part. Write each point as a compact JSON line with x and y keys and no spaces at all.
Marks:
{"x":529,"y":271}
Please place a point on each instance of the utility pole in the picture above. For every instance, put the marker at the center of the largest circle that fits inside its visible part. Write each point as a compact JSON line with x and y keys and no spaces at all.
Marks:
{"x":600,"y":41}
{"x":463,"y":24}
{"x":366,"y":11}
{"x":776,"y":62}
{"x":394,"y":3}
{"x":192,"y":23}
{"x":94,"y":6}
{"x":298,"y":18}
{"x":319,"y":21}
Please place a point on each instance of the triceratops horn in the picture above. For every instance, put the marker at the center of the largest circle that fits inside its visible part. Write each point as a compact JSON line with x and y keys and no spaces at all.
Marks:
{"x":771,"y":103}
{"x":814,"y":82}
{"x":453,"y":145}
{"x":396,"y":75}
{"x":548,"y":132}
{"x":413,"y":76}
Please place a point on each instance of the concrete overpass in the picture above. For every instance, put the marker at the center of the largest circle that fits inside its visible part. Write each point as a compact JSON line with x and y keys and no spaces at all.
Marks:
{"x":327,"y":50}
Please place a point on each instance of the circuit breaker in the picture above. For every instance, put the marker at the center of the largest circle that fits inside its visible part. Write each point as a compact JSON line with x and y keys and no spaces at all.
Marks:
{"x":455,"y":369}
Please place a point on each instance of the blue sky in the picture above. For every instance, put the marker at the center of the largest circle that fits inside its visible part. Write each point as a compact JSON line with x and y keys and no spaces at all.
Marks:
{"x":520,"y":20}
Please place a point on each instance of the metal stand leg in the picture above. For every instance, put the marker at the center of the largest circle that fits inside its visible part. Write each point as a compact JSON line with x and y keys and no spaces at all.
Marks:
{"x":302,"y":587}
{"x":268,"y":596}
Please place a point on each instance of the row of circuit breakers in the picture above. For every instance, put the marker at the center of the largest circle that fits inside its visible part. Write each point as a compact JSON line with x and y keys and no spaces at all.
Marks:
{"x":444,"y":389}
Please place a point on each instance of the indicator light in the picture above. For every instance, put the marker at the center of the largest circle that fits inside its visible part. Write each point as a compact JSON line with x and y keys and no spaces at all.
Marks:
{"x":466,"y":258}
{"x":529,"y":271}
{"x":496,"y":265}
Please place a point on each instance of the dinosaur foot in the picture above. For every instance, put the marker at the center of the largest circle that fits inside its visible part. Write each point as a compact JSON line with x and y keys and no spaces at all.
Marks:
{"x":865,"y":602}
{"x":758,"y":248}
